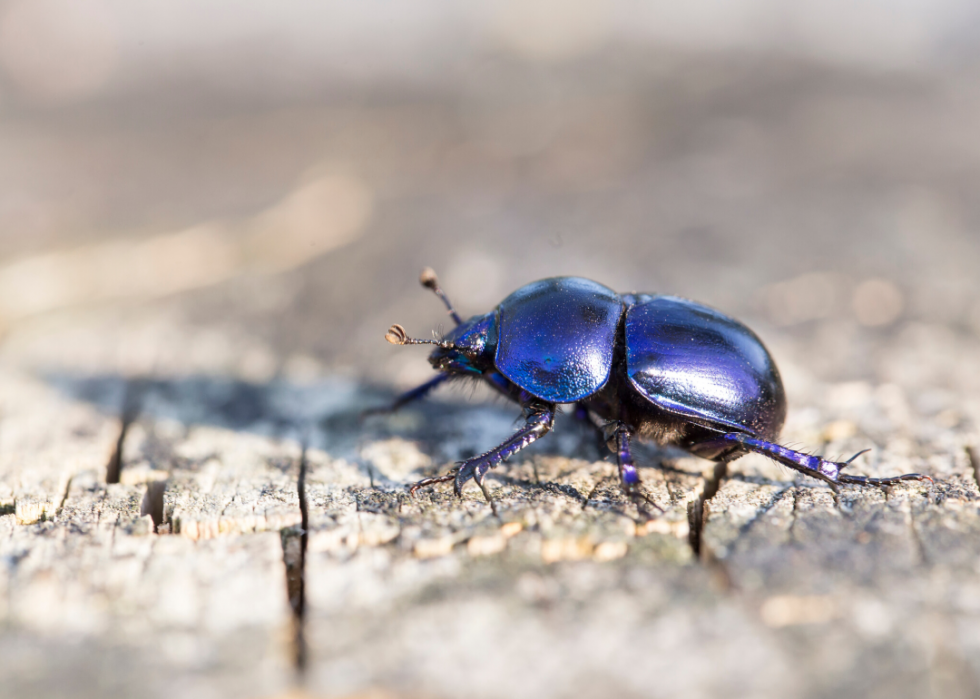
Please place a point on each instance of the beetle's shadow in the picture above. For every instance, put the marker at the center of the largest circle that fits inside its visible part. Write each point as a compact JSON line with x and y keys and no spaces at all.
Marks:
{"x":326,"y":415}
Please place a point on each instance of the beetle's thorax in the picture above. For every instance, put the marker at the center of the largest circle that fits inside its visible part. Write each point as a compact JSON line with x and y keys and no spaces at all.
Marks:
{"x":470,"y":349}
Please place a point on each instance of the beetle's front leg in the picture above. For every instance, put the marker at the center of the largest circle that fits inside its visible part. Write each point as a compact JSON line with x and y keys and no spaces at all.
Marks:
{"x":628,"y":476}
{"x":407,"y":397}
{"x":539,"y":422}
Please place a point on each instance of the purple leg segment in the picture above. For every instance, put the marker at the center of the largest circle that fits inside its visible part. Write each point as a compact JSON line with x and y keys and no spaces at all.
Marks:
{"x":539,"y":423}
{"x":814,"y":466}
{"x":627,"y":470}
{"x":628,"y":476}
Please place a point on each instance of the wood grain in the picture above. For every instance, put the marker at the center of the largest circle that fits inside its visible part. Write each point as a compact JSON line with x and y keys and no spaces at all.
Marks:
{"x":186,"y":573}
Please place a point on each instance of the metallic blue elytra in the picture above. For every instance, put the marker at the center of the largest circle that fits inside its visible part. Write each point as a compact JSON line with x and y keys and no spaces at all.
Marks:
{"x":557,"y":337}
{"x":694,"y":362}
{"x":659,"y":368}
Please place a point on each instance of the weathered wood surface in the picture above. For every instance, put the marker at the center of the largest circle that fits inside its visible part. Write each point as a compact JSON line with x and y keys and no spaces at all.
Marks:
{"x":180,"y":576}
{"x":190,"y":507}
{"x":794,"y":593}
{"x":94,"y":602}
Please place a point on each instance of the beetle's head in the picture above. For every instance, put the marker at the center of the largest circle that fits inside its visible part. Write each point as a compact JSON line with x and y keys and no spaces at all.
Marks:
{"x":468,"y":348}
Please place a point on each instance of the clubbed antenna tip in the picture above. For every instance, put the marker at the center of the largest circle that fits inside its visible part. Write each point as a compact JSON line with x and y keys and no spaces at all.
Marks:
{"x":429,"y":280}
{"x":396,"y":335}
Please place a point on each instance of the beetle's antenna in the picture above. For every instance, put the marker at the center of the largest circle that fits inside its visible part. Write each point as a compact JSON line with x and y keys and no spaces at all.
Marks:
{"x":429,"y":280}
{"x":396,"y":335}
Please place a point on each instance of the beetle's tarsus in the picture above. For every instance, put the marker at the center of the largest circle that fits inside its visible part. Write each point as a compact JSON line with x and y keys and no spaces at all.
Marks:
{"x":866,"y":480}
{"x":432,"y":481}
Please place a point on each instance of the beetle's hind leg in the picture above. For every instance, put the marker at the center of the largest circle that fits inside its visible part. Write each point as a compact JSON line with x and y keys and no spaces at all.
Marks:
{"x":807,"y":464}
{"x":628,"y":477}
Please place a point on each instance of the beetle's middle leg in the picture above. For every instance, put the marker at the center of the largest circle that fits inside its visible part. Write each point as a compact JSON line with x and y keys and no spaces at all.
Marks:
{"x":628,"y":476}
{"x":583,"y":415}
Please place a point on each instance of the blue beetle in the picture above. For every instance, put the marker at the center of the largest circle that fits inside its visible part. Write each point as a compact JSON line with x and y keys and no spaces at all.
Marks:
{"x":659,"y":368}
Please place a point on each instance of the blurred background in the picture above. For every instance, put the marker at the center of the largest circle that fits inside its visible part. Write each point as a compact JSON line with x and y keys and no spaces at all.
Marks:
{"x":249,"y":188}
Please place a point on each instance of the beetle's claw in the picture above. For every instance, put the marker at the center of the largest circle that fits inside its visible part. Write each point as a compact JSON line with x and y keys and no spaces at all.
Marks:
{"x":848,"y":462}
{"x":464,"y":472}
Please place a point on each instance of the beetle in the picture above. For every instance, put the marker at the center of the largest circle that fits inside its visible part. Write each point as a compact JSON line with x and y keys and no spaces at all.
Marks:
{"x":657,"y":368}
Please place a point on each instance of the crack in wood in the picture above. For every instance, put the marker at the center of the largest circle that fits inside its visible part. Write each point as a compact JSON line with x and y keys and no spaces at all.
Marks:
{"x":64,"y":496}
{"x":152,"y":503}
{"x":696,"y":511}
{"x":796,"y":503}
{"x":128,"y":413}
{"x":974,"y":458}
{"x":918,"y":543}
{"x":113,"y":469}
{"x":294,"y":544}
{"x":671,"y":494}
